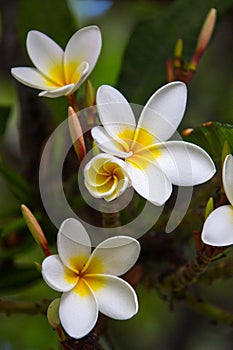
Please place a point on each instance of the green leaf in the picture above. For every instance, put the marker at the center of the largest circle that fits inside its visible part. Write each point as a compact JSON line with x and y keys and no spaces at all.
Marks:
{"x":153,"y":41}
{"x":4,"y":116}
{"x":50,"y":17}
{"x":15,"y":277}
{"x":212,"y":137}
{"x":18,"y":186}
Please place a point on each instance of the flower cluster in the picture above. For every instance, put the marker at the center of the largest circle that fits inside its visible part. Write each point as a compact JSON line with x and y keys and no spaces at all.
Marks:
{"x":133,"y":153}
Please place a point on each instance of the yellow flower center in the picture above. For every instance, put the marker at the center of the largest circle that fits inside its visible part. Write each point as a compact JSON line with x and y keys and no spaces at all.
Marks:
{"x":87,"y":275}
{"x":142,"y":144}
{"x":60,"y":75}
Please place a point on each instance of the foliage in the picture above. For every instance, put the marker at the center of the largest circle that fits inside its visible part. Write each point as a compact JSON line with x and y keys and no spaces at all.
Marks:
{"x":182,"y":284}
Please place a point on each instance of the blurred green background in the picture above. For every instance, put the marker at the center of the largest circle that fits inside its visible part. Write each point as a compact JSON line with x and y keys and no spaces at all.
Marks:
{"x":138,"y":37}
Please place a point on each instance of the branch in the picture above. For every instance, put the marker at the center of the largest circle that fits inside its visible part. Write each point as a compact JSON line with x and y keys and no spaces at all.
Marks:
{"x":23,"y":307}
{"x":186,"y":275}
{"x":210,"y":310}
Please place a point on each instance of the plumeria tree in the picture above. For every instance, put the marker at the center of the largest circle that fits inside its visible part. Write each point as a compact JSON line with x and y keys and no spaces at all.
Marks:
{"x":127,"y":198}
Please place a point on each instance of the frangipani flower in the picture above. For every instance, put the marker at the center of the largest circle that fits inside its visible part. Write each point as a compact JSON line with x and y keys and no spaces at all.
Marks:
{"x":88,"y":280}
{"x":59,"y":72}
{"x":151,"y":164}
{"x":218,"y":227}
{"x":106,"y":177}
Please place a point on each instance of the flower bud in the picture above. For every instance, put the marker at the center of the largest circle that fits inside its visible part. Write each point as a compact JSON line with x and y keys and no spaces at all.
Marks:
{"x":225,"y":150}
{"x":76,"y":134}
{"x":209,"y":207}
{"x":204,"y":38}
{"x":90,"y":94}
{"x":52,"y":313}
{"x":35,"y":229}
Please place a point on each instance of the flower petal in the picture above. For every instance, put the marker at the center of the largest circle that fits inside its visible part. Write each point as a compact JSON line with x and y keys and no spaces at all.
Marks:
{"x":227,"y":177}
{"x":150,"y":182}
{"x":184,"y":163}
{"x":218,"y":227}
{"x":31,"y":77}
{"x":83,"y":46}
{"x":57,"y":92}
{"x":56,"y":275}
{"x":46,"y":55}
{"x":116,"y":298}
{"x":80,"y":75}
{"x":115,"y":113}
{"x":114,"y":256}
{"x":73,"y":244}
{"x":95,"y":170}
{"x":107,"y":144}
{"x":78,"y":311}
{"x":164,"y":111}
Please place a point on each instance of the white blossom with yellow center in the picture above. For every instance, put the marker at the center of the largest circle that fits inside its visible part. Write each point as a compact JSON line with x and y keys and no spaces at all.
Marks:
{"x":88,"y":280}
{"x":106,"y":177}
{"x":218,"y":227}
{"x":59,"y":72}
{"x":152,"y":164}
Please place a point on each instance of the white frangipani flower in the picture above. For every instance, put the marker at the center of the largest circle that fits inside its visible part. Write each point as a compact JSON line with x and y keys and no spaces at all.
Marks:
{"x":59,"y":72}
{"x":218,"y":227}
{"x":88,"y":280}
{"x":106,"y":177}
{"x":152,"y":164}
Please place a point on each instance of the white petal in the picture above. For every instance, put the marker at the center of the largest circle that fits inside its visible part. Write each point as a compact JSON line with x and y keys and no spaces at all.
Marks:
{"x":151,"y":183}
{"x":164,"y":111}
{"x":227,"y":177}
{"x":46,"y":55}
{"x":57,"y":92}
{"x":116,"y":298}
{"x":78,"y":311}
{"x":55,"y":274}
{"x":114,"y":111}
{"x":107,"y":144}
{"x":31,"y":77}
{"x":184,"y":163}
{"x":115,"y":256}
{"x":218,"y":227}
{"x":83,"y":46}
{"x":73,"y":244}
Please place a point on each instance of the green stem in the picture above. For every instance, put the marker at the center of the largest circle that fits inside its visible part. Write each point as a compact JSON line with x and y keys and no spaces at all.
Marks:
{"x":210,"y":310}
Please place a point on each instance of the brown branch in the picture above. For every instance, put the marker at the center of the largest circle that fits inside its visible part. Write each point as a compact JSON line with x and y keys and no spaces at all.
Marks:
{"x":186,"y":275}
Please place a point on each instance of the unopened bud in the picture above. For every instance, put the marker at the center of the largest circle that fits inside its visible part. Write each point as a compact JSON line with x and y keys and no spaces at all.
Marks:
{"x":90,"y":94}
{"x":53,"y":313}
{"x":76,"y":134}
{"x":209,"y":207}
{"x":53,"y":318}
{"x":35,"y":229}
{"x":187,"y":132}
{"x":204,"y":37}
{"x":178,"y":53}
{"x":225,"y":150}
